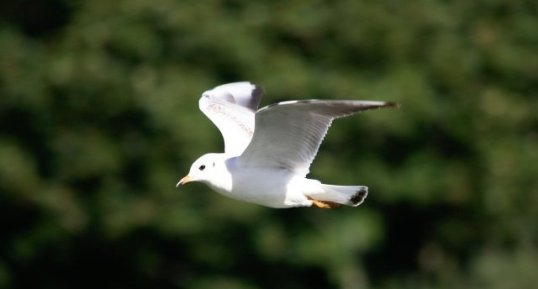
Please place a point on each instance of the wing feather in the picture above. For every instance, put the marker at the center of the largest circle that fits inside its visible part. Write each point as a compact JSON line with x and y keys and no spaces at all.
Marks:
{"x":288,"y":134}
{"x":231,"y":107}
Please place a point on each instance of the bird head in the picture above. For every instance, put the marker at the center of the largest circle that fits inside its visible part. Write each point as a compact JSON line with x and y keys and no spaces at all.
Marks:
{"x":202,"y":170}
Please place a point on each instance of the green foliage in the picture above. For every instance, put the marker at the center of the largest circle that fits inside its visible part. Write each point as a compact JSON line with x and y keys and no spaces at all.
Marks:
{"x":99,"y":119}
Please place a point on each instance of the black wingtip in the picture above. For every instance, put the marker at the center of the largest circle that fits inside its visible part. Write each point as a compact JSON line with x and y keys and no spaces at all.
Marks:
{"x":256,"y":97}
{"x":391,"y":104}
{"x":257,"y":91}
{"x":359,"y":196}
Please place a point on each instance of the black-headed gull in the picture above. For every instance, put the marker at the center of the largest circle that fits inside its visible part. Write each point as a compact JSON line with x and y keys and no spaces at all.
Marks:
{"x":268,"y":152}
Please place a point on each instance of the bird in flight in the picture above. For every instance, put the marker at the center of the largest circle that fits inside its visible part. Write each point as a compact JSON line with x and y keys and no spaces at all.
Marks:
{"x":268,"y":151}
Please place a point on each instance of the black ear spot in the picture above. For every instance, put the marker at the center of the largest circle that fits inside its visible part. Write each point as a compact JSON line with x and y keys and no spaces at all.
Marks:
{"x":202,"y":167}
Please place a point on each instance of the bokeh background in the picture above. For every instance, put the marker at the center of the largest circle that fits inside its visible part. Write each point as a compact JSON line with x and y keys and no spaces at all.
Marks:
{"x":99,"y":119}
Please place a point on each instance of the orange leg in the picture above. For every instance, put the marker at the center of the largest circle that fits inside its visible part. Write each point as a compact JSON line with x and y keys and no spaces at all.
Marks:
{"x":323,"y":204}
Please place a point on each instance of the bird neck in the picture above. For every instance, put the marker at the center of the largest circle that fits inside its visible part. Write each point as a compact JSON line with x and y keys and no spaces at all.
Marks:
{"x":222,"y":178}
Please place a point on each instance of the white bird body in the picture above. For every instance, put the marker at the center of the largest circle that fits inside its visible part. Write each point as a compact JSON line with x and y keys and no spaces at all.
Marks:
{"x":268,"y":152}
{"x":270,"y":192}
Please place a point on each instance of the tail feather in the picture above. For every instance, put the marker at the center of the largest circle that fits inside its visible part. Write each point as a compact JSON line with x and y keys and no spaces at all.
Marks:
{"x":345,"y":195}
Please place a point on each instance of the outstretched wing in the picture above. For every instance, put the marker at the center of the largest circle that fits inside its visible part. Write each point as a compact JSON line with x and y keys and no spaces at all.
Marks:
{"x":231,"y":107}
{"x":288,"y":134}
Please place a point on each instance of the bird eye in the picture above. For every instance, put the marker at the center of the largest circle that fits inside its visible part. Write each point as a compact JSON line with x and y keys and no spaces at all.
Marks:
{"x":202,"y":167}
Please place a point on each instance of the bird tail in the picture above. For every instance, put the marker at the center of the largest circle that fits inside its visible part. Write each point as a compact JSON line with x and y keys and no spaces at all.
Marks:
{"x":345,"y":195}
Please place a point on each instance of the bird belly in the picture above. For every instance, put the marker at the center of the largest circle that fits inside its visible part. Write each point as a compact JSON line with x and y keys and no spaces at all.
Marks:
{"x":267,"y":187}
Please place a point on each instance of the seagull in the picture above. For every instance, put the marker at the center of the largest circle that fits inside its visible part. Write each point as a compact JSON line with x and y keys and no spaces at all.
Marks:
{"x":268,"y":151}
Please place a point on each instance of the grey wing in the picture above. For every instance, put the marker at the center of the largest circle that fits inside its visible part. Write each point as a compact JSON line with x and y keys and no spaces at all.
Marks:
{"x":288,"y":134}
{"x":231,"y":108}
{"x":242,"y":93}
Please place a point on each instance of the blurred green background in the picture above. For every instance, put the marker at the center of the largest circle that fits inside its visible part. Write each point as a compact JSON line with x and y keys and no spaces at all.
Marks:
{"x":99,"y":119}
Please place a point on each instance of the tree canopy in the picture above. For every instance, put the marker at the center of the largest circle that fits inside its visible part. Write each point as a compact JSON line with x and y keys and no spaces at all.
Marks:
{"x":99,"y":119}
